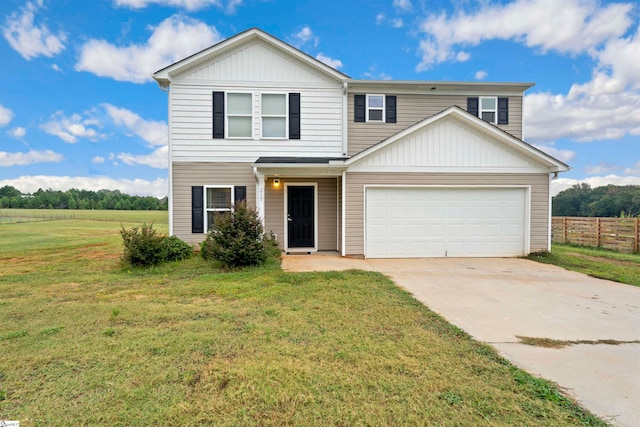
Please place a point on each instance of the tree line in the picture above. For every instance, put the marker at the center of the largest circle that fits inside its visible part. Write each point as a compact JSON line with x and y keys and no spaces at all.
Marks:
{"x":11,"y":197}
{"x":608,"y":201}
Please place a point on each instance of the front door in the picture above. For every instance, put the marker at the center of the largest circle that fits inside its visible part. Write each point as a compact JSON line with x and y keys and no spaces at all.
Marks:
{"x":300,"y":216}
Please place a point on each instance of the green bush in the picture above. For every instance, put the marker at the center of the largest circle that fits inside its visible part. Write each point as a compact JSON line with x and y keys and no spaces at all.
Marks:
{"x":239,"y":240}
{"x":144,"y":246}
{"x":176,"y":249}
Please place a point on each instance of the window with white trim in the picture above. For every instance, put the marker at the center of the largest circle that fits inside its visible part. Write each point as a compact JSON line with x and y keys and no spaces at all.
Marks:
{"x":274,"y":115}
{"x":375,"y":108}
{"x":239,"y":115}
{"x":488,"y":109}
{"x":217,"y":200}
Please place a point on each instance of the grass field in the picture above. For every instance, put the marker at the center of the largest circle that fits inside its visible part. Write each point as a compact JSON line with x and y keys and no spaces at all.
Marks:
{"x":87,"y":341}
{"x":601,"y":263}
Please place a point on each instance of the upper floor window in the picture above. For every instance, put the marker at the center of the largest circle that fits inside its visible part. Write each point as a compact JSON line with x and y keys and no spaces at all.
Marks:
{"x":239,"y":115}
{"x":488,"y":109}
{"x":375,"y":108}
{"x":274,"y":115}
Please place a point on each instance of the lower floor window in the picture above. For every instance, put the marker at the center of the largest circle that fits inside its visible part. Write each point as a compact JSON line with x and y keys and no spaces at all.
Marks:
{"x":217,"y":201}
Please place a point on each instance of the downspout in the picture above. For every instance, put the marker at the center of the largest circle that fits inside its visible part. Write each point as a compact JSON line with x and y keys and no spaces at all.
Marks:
{"x":259,"y":193}
{"x":552,"y":176}
{"x":345,"y":113}
{"x":344,"y":210}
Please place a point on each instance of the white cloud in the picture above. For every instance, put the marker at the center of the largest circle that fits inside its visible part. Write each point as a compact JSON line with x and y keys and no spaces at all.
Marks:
{"x":175,"y":38}
{"x":6,"y":115}
{"x":481,"y":75}
{"x":373,"y":74}
{"x":602,"y":168}
{"x":97,"y":160}
{"x":190,"y":5}
{"x":28,"y":39}
{"x":157,"y":159}
{"x":334,"y":63}
{"x":17,"y":132}
{"x":303,"y":37}
{"x":69,"y":129}
{"x":635,"y":170}
{"x":462,"y":56}
{"x":403,"y":5}
{"x":381,"y":18}
{"x":560,"y":154}
{"x":569,"y":26}
{"x":139,"y":187}
{"x":29,"y":158}
{"x":396,"y":22}
{"x":55,"y":67}
{"x":154,"y":132}
{"x":559,"y":184}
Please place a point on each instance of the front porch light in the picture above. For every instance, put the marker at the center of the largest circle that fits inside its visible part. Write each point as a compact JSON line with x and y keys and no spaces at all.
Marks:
{"x":276,"y":183}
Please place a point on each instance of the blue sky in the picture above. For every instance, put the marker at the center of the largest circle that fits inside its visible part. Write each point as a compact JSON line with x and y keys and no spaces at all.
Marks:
{"x":78,"y":108}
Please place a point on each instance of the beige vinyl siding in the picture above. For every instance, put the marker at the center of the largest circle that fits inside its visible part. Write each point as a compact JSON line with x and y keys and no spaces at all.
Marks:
{"x":327,"y":210}
{"x":186,"y":175}
{"x":354,"y":199}
{"x":413,"y":108}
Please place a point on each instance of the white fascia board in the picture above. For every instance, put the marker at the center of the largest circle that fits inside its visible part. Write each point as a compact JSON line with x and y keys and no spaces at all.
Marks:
{"x":299,"y":170}
{"x":440,"y":87}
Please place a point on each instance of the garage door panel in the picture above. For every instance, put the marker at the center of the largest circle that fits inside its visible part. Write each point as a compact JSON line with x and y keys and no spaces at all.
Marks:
{"x":438,"y":222}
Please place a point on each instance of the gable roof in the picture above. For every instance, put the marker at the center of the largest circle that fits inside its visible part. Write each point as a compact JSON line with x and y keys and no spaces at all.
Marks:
{"x":488,"y":129}
{"x":163,"y":76}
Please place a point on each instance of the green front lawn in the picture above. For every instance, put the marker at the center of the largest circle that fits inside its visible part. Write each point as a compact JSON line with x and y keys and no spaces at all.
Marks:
{"x":86,"y":341}
{"x":600,"y":263}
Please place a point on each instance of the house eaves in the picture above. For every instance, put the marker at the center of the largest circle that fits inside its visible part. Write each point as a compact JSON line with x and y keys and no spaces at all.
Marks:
{"x":495,"y":132}
{"x":438,"y":87}
{"x":164,"y":75}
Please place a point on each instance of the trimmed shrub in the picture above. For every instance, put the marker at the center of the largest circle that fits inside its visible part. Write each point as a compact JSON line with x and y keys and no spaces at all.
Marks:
{"x":239,"y":240}
{"x":144,"y":246}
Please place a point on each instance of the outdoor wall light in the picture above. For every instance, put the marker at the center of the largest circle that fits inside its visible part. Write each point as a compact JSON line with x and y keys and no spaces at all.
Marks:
{"x":276,"y":183}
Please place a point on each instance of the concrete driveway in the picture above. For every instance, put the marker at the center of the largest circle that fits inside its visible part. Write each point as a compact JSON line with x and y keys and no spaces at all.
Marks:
{"x":497,"y":300}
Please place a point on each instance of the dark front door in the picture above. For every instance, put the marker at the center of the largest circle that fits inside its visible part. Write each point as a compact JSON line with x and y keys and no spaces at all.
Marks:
{"x":300,"y":216}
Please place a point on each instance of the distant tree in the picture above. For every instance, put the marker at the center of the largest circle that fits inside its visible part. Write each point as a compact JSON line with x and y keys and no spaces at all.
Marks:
{"x":606,"y":201}
{"x":11,"y":197}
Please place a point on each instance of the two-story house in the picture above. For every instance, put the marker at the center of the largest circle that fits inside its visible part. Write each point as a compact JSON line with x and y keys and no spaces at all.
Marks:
{"x":366,"y":168}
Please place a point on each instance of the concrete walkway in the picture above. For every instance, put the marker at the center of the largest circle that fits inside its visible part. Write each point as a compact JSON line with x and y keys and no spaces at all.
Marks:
{"x":497,"y":300}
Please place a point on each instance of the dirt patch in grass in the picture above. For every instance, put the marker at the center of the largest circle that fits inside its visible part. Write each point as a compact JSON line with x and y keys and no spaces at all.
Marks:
{"x":551,"y":343}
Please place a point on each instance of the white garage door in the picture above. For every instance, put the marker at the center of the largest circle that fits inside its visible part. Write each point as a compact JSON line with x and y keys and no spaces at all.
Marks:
{"x":444,"y":222}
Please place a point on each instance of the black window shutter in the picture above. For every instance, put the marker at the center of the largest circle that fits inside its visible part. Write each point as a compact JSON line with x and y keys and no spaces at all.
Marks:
{"x":240,"y":193}
{"x":390,"y":108}
{"x":472,"y":105}
{"x":359,"y":108}
{"x":503,"y":111}
{"x":218,"y":115}
{"x":294,"y":116}
{"x":197,"y":209}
